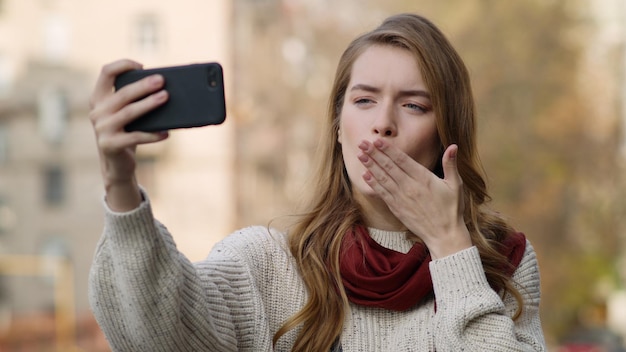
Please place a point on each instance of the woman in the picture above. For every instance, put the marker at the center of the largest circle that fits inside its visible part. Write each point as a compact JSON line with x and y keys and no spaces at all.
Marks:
{"x":397,"y":252}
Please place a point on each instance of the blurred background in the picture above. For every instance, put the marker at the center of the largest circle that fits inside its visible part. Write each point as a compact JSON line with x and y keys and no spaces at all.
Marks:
{"x":549,"y":78}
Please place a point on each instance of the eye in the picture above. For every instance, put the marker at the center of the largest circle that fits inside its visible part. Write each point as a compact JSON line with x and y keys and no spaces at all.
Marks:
{"x":417,"y":107}
{"x":363,"y":101}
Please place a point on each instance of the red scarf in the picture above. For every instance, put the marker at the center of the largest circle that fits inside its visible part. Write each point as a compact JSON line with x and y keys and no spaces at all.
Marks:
{"x":380,"y":277}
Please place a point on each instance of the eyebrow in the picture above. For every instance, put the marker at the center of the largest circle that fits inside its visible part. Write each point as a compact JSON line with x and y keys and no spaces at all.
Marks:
{"x":403,"y":93}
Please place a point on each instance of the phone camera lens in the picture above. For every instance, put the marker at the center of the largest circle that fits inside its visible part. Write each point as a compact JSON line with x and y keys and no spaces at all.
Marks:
{"x":212,"y":77}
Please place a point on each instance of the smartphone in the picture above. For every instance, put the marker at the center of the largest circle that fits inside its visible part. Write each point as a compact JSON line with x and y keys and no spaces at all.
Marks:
{"x":196,"y":97}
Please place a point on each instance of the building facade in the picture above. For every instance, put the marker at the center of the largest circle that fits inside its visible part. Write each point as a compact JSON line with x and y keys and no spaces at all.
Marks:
{"x":51,"y":52}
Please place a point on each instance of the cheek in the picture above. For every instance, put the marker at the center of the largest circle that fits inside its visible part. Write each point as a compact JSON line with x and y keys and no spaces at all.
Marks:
{"x":428,"y":150}
{"x":350,"y":129}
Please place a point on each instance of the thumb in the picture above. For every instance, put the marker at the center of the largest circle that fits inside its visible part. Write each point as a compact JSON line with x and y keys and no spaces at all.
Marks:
{"x":450,"y":170}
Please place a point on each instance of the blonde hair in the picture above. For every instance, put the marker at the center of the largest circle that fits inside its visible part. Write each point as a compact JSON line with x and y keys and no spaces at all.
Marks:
{"x":316,"y":238}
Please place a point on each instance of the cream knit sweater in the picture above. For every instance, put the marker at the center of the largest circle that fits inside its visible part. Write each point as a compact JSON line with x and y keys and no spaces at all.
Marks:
{"x":147,"y":296}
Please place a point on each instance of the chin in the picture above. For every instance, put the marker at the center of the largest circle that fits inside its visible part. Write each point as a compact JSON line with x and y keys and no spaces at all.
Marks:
{"x":364,"y":191}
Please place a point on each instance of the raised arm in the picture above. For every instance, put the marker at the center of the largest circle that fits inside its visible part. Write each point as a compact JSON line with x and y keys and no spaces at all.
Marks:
{"x":145,"y":295}
{"x":110,"y":112}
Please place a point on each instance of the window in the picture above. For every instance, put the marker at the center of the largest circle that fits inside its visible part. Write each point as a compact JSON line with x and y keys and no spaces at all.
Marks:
{"x":8,"y":219}
{"x":53,"y":114}
{"x":54,"y":185}
{"x":147,"y":34}
{"x":54,"y":248}
{"x":4,"y":144}
{"x":5,"y":74}
{"x":56,"y":37}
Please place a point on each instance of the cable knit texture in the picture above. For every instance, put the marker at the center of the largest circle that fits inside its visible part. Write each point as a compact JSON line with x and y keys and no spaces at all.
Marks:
{"x":147,"y":296}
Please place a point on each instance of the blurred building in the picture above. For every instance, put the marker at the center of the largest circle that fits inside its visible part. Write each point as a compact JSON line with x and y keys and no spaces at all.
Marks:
{"x":51,"y":52}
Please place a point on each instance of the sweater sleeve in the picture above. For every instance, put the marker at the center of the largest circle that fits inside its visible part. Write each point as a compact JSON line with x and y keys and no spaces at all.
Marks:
{"x":471,"y":316}
{"x":146,"y":296}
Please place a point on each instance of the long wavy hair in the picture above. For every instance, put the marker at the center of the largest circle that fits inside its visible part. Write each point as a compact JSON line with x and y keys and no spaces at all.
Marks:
{"x":316,"y":238}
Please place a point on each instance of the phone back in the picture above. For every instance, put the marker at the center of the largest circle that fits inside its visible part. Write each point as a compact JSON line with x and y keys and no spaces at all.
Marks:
{"x":196,"y":97}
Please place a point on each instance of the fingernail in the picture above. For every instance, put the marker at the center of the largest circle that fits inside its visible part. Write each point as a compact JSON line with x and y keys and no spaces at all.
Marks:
{"x":364,"y":158}
{"x":363,"y":146}
{"x":378,"y":143}
{"x":163,"y":134}
{"x":160,"y":95}
{"x":156,"y":80}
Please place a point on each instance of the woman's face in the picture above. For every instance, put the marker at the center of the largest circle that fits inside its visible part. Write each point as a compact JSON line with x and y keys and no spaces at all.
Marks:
{"x":386,"y":98}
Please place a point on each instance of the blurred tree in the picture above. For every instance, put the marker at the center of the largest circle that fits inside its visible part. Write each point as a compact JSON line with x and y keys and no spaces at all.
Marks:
{"x":550,"y":172}
{"x":553,"y":176}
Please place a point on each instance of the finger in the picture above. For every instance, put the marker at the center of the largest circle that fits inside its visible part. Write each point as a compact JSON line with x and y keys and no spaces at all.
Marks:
{"x":115,"y":143}
{"x":132,"y":111}
{"x":449,"y":163}
{"x":400,"y":160}
{"x":134,"y":138}
{"x":397,"y":164}
{"x":134,"y":91}
{"x":381,"y":186}
{"x":129,"y":112}
{"x":379,"y":164}
{"x":376,"y":178}
{"x":106,"y":80}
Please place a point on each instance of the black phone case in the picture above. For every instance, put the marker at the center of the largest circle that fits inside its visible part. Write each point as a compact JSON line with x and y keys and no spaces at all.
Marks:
{"x":196,"y":97}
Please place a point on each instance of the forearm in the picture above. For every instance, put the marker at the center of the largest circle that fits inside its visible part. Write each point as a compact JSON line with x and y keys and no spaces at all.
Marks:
{"x":145,"y":295}
{"x":471,"y":315}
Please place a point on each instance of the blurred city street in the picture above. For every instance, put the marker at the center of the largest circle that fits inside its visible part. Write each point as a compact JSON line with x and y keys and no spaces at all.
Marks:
{"x":549,"y":79}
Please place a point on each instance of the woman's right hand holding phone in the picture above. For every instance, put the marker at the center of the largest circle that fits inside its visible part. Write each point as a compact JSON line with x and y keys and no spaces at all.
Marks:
{"x":109,"y":112}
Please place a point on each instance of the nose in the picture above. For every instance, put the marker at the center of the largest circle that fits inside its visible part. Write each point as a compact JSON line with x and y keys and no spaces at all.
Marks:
{"x":385,"y":125}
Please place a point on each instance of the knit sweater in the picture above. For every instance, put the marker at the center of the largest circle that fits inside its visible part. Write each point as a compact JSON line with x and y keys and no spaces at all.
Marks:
{"x":147,"y":296}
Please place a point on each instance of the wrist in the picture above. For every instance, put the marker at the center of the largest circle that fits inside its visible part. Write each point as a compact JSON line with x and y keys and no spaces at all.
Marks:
{"x":123,"y":196}
{"x":452,"y":243}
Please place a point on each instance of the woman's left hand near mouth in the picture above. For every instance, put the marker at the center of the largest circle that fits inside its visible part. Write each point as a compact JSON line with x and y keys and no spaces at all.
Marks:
{"x":430,"y":207}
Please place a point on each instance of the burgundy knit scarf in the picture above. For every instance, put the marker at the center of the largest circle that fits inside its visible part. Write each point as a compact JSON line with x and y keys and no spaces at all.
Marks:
{"x":380,"y":277}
